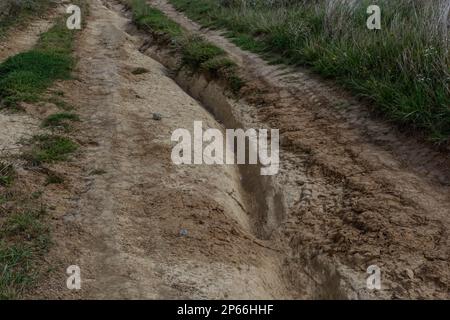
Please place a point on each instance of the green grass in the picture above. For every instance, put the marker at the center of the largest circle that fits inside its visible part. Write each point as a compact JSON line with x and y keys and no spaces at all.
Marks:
{"x":47,"y":148}
{"x":196,"y":53}
{"x":24,"y":234}
{"x":6,"y":174}
{"x":147,"y":17}
{"x":403,"y":68}
{"x":61,"y":120}
{"x":23,"y":239}
{"x":26,"y":76}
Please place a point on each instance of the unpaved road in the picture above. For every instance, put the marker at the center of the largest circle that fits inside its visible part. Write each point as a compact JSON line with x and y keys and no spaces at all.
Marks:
{"x":128,"y":220}
{"x":351,"y":192}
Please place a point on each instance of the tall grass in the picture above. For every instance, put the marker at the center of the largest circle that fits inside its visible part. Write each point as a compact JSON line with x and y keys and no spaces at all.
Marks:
{"x":404,"y":68}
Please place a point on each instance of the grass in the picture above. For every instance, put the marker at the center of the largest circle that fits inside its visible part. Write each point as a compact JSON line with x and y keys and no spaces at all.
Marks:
{"x":60,"y":120}
{"x":47,"y":148}
{"x":53,"y":178}
{"x":61,"y":104}
{"x":24,"y":77}
{"x":154,"y":20}
{"x":23,"y":239}
{"x":403,"y":68}
{"x":196,"y":53}
{"x":21,"y":12}
{"x":24,"y":234}
{"x":6,"y":174}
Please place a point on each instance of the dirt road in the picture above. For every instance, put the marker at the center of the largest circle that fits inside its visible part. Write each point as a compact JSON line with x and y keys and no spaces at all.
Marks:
{"x":352,"y":191}
{"x":129,"y":218}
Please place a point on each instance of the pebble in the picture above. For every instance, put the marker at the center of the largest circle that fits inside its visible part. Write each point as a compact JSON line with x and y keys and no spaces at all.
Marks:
{"x":157,"y":116}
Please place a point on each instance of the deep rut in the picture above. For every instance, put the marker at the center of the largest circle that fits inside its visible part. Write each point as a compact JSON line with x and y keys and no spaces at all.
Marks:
{"x":125,"y":223}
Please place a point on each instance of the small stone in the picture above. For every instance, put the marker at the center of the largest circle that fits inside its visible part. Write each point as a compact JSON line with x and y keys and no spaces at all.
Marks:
{"x":157,"y":116}
{"x":183,"y":232}
{"x":410,"y":273}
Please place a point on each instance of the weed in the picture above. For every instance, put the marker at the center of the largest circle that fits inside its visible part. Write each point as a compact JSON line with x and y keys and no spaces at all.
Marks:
{"x":196,"y":51}
{"x":6,"y":174}
{"x":49,"y":148}
{"x":60,"y":120}
{"x":23,"y":237}
{"x":147,"y":17}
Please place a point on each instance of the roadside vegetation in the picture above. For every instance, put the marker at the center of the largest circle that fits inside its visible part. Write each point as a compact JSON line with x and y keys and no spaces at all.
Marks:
{"x":24,"y":239}
{"x":13,"y":12}
{"x":196,"y":53}
{"x":403,"y":68}
{"x":24,"y":232}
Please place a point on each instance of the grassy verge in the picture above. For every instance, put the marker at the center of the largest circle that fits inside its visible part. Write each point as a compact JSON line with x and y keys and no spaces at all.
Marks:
{"x":15,"y":12}
{"x":404,"y":68}
{"x":24,"y":238}
{"x":24,"y":232}
{"x":196,"y":53}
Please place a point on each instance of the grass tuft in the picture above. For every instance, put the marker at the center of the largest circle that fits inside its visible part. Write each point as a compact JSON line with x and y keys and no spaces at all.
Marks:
{"x":147,"y":17}
{"x":49,"y":148}
{"x":60,"y":120}
{"x":6,"y":174}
